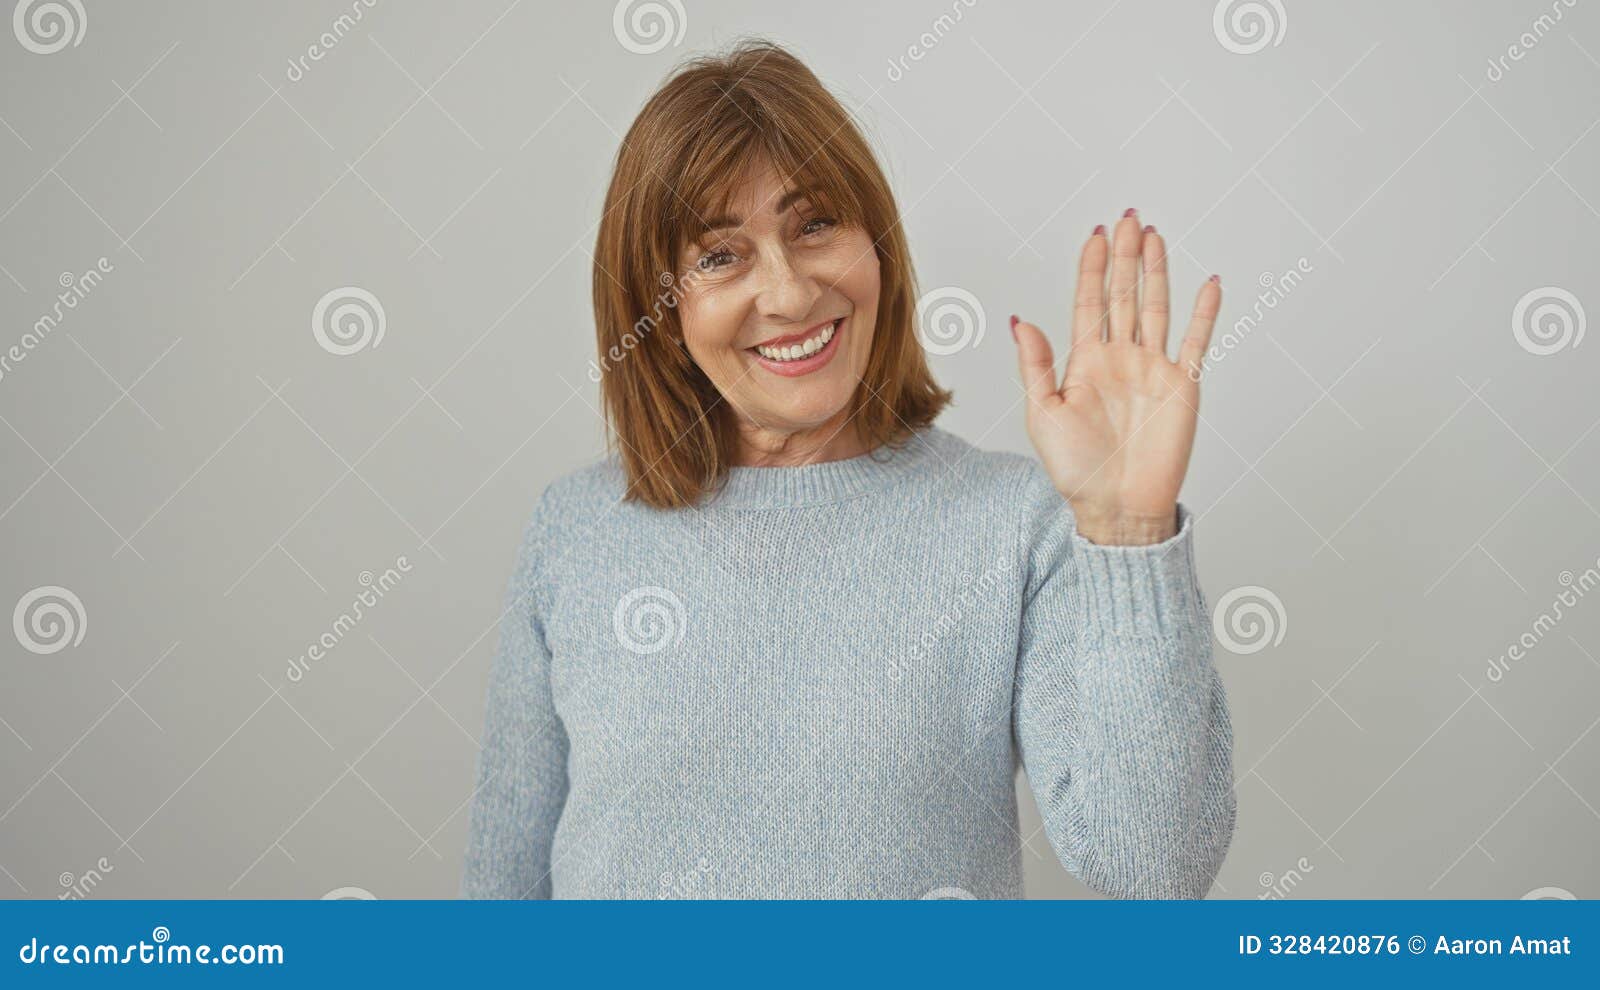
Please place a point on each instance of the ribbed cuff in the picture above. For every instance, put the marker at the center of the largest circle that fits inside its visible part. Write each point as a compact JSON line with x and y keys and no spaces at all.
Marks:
{"x":1148,"y":590}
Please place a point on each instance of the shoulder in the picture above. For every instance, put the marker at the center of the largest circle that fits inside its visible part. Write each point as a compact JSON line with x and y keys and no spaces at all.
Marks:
{"x":991,"y":474}
{"x":569,"y":506}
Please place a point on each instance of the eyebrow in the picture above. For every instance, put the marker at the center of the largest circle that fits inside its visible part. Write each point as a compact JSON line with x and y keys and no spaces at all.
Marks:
{"x":789,"y":199}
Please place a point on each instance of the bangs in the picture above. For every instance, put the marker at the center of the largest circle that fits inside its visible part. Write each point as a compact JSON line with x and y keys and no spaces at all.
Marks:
{"x":708,"y":184}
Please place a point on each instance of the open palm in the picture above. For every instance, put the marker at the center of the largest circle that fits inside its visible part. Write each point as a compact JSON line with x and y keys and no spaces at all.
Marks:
{"x":1115,"y":431}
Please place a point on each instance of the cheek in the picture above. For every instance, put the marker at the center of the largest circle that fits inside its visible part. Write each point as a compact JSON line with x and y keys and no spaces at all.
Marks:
{"x":856,"y":275}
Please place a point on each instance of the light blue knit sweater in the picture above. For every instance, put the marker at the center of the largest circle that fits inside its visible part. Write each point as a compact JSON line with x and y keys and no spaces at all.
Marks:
{"x":821,"y":682}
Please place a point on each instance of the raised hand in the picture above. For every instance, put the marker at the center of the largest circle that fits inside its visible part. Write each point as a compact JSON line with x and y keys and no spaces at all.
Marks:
{"x":1116,"y":430}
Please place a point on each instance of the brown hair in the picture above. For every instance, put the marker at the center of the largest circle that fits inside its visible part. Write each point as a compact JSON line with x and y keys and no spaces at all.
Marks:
{"x":683,"y":158}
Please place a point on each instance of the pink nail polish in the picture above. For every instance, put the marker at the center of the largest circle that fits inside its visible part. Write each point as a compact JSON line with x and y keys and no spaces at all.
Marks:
{"x":1013,"y":321}
{"x":1099,"y":229}
{"x":1014,"y":329}
{"x":1216,"y":278}
{"x":1150,"y":228}
{"x":1130,"y":212}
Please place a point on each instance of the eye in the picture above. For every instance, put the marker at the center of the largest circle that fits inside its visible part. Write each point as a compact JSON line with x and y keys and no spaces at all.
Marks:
{"x":815,"y":226}
{"x":712,"y":260}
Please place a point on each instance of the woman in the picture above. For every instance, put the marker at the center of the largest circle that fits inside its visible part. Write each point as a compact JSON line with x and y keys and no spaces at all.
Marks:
{"x":793,"y":639}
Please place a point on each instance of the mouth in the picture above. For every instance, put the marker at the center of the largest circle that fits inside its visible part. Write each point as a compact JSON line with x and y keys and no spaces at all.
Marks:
{"x":800,"y":354}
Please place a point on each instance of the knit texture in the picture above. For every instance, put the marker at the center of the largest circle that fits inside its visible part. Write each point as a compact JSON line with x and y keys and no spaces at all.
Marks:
{"x":821,"y":681}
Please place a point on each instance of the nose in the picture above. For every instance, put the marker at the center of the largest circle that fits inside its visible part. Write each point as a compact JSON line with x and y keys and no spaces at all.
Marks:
{"x":786,"y":294}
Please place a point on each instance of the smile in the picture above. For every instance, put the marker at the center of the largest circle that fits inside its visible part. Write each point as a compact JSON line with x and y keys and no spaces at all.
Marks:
{"x":800,"y":355}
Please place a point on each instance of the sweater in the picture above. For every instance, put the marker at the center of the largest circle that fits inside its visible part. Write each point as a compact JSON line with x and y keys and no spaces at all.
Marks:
{"x":820,"y":682}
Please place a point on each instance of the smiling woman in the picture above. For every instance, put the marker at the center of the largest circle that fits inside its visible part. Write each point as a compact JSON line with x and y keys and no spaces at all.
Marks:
{"x":792,"y":639}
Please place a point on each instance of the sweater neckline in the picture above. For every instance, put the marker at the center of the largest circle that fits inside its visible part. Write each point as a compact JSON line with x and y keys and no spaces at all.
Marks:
{"x":752,"y":487}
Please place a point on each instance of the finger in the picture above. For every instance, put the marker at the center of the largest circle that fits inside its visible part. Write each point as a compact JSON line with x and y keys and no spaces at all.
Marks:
{"x":1035,"y":361}
{"x":1089,"y":308}
{"x":1198,"y":337}
{"x":1124,"y":302}
{"x":1155,"y":312}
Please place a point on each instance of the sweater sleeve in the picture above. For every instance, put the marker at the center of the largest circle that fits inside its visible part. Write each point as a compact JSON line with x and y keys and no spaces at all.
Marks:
{"x":521,"y":769}
{"x":1120,"y":715}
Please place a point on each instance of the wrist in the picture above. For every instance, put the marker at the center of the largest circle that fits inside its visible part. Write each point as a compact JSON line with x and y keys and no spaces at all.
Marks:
{"x":1117,"y":527}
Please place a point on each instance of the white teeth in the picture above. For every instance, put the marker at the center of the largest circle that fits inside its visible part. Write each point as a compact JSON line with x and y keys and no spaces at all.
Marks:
{"x":794,"y":352}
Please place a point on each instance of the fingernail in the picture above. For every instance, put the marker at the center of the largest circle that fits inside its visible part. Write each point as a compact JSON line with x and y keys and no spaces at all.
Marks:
{"x":1014,"y":326}
{"x":1099,"y":229}
{"x":1130,"y":212}
{"x":1150,"y":228}
{"x":1217,"y":279}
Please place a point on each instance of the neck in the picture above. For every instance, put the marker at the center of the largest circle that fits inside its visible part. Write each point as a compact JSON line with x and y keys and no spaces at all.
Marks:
{"x":834,"y":440}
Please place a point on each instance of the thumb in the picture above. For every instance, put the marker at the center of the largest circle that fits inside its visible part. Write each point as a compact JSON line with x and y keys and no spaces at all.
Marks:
{"x":1035,"y":361}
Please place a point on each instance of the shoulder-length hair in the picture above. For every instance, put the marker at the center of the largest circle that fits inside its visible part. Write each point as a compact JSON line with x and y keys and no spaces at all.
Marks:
{"x":682,"y":159}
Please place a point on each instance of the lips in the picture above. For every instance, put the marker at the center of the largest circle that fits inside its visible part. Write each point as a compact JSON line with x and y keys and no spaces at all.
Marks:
{"x":775,"y":354}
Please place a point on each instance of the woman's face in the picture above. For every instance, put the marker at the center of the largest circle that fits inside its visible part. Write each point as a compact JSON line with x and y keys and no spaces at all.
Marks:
{"x":779,"y":307}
